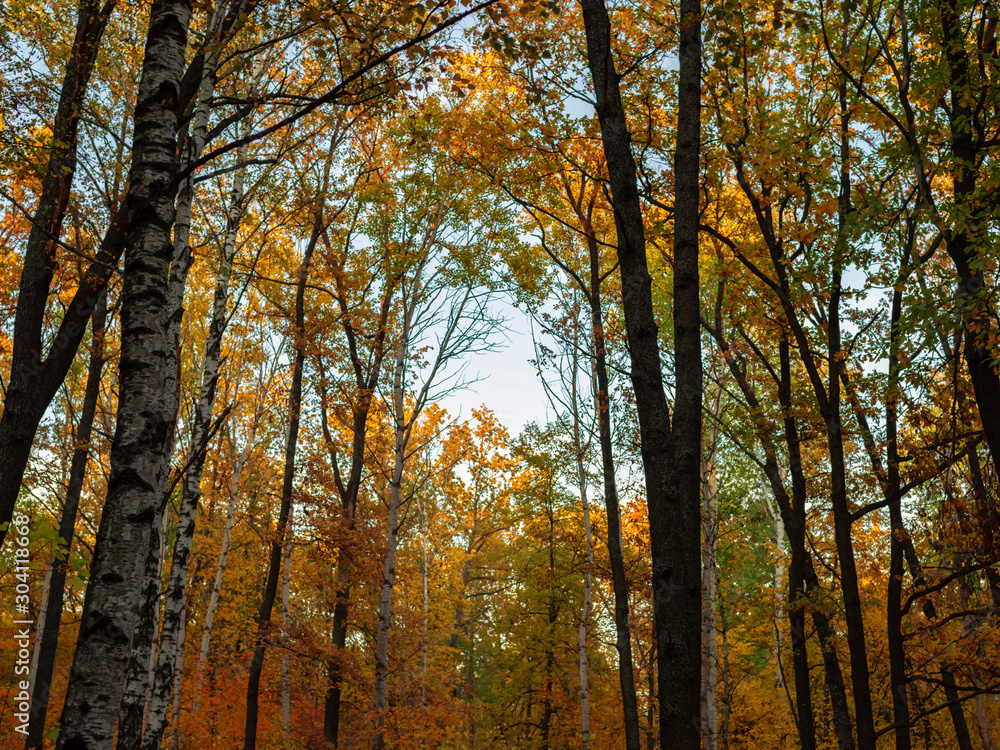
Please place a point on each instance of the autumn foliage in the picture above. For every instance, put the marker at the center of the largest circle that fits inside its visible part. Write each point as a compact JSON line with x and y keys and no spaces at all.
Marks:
{"x":251,"y":253}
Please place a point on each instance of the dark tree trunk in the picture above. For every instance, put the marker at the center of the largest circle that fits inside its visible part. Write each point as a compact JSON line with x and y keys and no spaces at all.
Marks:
{"x":67,"y":528}
{"x":829,"y":404}
{"x":796,"y":510}
{"x":274,"y":565}
{"x":366,"y":383}
{"x":962,"y":736}
{"x":34,"y":376}
{"x":831,"y":665}
{"x":794,"y":517}
{"x":679,"y":518}
{"x":671,"y":457}
{"x":894,"y":593}
{"x":623,"y":637}
{"x":802,"y":578}
{"x":961,"y":241}
{"x":140,"y":451}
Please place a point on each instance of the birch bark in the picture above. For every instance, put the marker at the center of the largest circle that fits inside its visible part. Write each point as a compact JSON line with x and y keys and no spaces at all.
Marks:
{"x":133,"y":714}
{"x":176,"y":596}
{"x":581,"y":474}
{"x":140,"y":450}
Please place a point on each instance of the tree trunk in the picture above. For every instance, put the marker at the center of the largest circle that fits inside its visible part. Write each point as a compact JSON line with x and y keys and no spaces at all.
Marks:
{"x":829,"y":404}
{"x":175,"y":720}
{"x":894,"y":593}
{"x":424,"y":575}
{"x":220,"y":570}
{"x":727,"y":688}
{"x":49,"y":640}
{"x":34,"y":376}
{"x":176,"y":596}
{"x":34,"y":380}
{"x":277,"y":542}
{"x":670,"y":456}
{"x":581,"y":474}
{"x":366,"y":383}
{"x":550,"y":632}
{"x":142,"y":659}
{"x":286,"y":607}
{"x":602,"y":405}
{"x":651,"y":735}
{"x":402,"y":434}
{"x":965,"y":249}
{"x":710,"y":536}
{"x":140,"y":451}
{"x":962,"y":736}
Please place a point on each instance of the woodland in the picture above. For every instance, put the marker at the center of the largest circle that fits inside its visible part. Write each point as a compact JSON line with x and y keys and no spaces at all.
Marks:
{"x":251,"y":247}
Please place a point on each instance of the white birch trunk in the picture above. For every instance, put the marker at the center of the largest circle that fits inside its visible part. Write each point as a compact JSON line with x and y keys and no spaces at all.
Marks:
{"x":177,"y":587}
{"x":154,"y":645}
{"x":779,"y":609}
{"x":141,"y":446}
{"x":587,"y":589}
{"x":220,"y":570}
{"x":191,"y":493}
{"x":175,"y":719}
{"x":40,"y":625}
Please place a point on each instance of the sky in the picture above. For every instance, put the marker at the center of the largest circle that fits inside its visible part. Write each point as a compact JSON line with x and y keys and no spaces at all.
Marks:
{"x":509,"y":384}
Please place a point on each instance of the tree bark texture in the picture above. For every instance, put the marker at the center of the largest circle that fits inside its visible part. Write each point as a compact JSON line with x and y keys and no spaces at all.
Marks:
{"x":139,"y":674}
{"x":140,"y":450}
{"x":176,"y":595}
{"x":710,"y":537}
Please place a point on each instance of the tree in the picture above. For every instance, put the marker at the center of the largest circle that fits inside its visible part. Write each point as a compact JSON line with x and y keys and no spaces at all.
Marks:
{"x":670,"y":452}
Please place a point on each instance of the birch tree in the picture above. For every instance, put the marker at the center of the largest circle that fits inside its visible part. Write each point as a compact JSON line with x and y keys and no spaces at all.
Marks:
{"x":140,"y":452}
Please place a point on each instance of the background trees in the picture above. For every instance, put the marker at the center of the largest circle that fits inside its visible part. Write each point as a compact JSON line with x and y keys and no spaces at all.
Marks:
{"x":316,"y":218}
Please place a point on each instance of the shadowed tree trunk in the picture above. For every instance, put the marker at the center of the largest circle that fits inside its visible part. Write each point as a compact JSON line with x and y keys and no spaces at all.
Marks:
{"x":49,"y":640}
{"x":277,"y":542}
{"x":35,"y":376}
{"x":670,"y":454}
